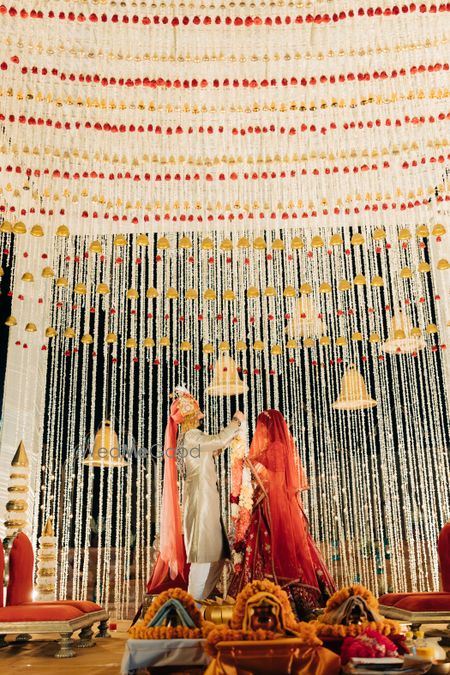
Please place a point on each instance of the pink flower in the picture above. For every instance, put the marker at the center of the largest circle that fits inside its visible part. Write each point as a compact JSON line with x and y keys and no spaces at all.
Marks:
{"x":370,"y":644}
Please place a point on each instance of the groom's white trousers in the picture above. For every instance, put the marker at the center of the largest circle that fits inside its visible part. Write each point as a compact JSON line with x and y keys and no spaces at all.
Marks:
{"x":203,"y":578}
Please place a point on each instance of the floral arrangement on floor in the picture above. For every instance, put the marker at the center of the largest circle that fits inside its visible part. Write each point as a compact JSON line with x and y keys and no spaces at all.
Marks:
{"x":239,"y":630}
{"x":369,"y":644}
{"x":197,"y":628}
{"x":241,"y":493}
{"x":334,"y":621}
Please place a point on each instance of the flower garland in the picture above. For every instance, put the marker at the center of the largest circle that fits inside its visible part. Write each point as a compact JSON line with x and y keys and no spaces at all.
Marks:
{"x":328,"y":630}
{"x":241,"y":492}
{"x":343,"y":594}
{"x":141,"y":630}
{"x":370,"y":644}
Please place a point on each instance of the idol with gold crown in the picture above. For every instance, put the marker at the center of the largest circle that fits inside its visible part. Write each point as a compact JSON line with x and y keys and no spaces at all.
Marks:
{"x":199,"y":538}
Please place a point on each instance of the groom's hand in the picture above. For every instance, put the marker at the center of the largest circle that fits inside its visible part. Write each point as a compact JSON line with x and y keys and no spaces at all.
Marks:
{"x":239,"y":416}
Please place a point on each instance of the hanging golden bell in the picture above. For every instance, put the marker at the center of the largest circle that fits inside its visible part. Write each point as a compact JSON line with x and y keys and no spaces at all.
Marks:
{"x":344,"y":285}
{"x":11,"y":321}
{"x":325,"y":341}
{"x":209,"y":294}
{"x":422,"y":231}
{"x":305,"y":289}
{"x":377,"y":281}
{"x":148,"y":342}
{"x":37,"y":231}
{"x":164,"y":341}
{"x":62,"y":231}
{"x":252,"y":292}
{"x":47,"y":273}
{"x":191,"y":294}
{"x":297,"y":243}
{"x":19,"y":228}
{"x":62,"y":282}
{"x":374,"y":337}
{"x":423,"y":267}
{"x":259,"y":244}
{"x":317,"y":242}
{"x":431,"y":328}
{"x":87,"y":339}
{"x":142,"y":240}
{"x":102,"y":289}
{"x":416,"y":332}
{"x":31,"y":328}
{"x":290,"y":292}
{"x":224,"y":346}
{"x":50,"y":332}
{"x":243,"y":242}
{"x":357,"y":239}
{"x":325,"y":287}
{"x":226,"y":380}
{"x":405,"y":273}
{"x":379,"y":234}
{"x":438,"y":231}
{"x":402,"y":338}
{"x":291,"y":344}
{"x":111,"y":338}
{"x":95,"y":247}
{"x":106,"y":451}
{"x":308,"y":343}
{"x":27,"y":276}
{"x":229,"y":295}
{"x":278,"y":245}
{"x":341,"y":341}
{"x":241,"y":346}
{"x":270,"y":292}
{"x":404,"y":234}
{"x":185,"y":242}
{"x":258,"y":345}
{"x":357,"y":336}
{"x":120,"y":240}
{"x":80,"y":288}
{"x":443,"y":264}
{"x":185,"y":346}
{"x":69,"y":333}
{"x":162,"y":244}
{"x":276,"y":350}
{"x":152,"y":293}
{"x":208,"y":349}
{"x":132,"y":294}
{"x":336,"y":240}
{"x":359,"y":280}
{"x":207,"y":244}
{"x":353,"y":395}
{"x":172,"y":293}
{"x":6,"y":227}
{"x":226,"y":245}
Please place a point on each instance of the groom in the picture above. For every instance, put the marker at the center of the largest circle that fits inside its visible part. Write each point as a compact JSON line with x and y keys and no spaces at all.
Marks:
{"x":204,"y":534}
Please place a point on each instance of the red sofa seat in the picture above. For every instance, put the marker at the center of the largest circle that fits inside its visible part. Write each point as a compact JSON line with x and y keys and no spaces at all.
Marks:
{"x":417,"y":602}
{"x":84,"y":606}
{"x":40,"y":612}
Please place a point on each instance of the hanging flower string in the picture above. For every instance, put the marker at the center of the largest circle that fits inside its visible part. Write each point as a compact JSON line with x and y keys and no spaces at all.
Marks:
{"x":241,"y":491}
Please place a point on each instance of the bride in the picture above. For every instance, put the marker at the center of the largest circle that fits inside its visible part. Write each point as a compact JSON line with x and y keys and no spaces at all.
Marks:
{"x":277,"y":544}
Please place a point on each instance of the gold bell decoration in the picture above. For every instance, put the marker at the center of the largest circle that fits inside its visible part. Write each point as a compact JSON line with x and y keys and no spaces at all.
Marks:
{"x":51,"y":332}
{"x":259,"y":244}
{"x":226,"y":245}
{"x":142,"y":240}
{"x":377,"y":281}
{"x":47,"y":273}
{"x":209,"y":294}
{"x":37,"y":231}
{"x":353,"y":395}
{"x":120,"y":240}
{"x":80,"y":288}
{"x":252,"y":292}
{"x":270,"y":292}
{"x":226,"y":380}
{"x":359,"y":280}
{"x":243,"y":242}
{"x":185,"y":242}
{"x":111,"y":338}
{"x":19,"y":228}
{"x":163,"y":243}
{"x":402,"y":338}
{"x":278,"y":245}
{"x":208,"y":349}
{"x":336,"y":240}
{"x":31,"y":327}
{"x":438,"y":230}
{"x":423,"y":267}
{"x":132,"y":294}
{"x":379,"y":234}
{"x":357,"y":239}
{"x":404,"y":234}
{"x":164,"y":341}
{"x":87,"y":339}
{"x":95,"y":247}
{"x":62,"y":282}
{"x":6,"y":227}
{"x":224,"y":346}
{"x":18,"y":487}
{"x":46,"y":565}
{"x":149,"y":342}
{"x":241,"y":345}
{"x":344,"y":285}
{"x":62,"y":231}
{"x":290,"y":292}
{"x":325,"y":287}
{"x":443,"y":264}
{"x":102,"y":288}
{"x":11,"y":321}
{"x":229,"y":295}
{"x":191,"y":294}
{"x":276,"y":350}
{"x":28,"y":277}
{"x":106,"y":451}
{"x":297,"y":243}
{"x":317,"y":242}
{"x":152,"y":293}
{"x":405,"y":273}
{"x":422,"y":231}
{"x":69,"y":333}
{"x":207,"y":244}
{"x":131,"y":343}
{"x":304,"y":321}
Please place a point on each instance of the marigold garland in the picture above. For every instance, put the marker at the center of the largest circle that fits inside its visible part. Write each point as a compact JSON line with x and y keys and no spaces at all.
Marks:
{"x":343,"y":594}
{"x":327,"y":630}
{"x":141,"y":630}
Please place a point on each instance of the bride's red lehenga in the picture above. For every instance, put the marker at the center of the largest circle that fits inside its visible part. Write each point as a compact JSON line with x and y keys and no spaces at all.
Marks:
{"x":278,"y":544}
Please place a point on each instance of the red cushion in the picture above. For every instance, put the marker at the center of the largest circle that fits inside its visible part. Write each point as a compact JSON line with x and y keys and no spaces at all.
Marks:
{"x":444,"y":556}
{"x":21,"y":568}
{"x":430,"y":602}
{"x":391,"y":599}
{"x":84,"y":606}
{"x":2,"y":571}
{"x":38,"y":613}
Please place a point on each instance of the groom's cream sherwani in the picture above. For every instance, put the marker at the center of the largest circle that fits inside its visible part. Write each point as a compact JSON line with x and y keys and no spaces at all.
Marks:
{"x":204,"y":536}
